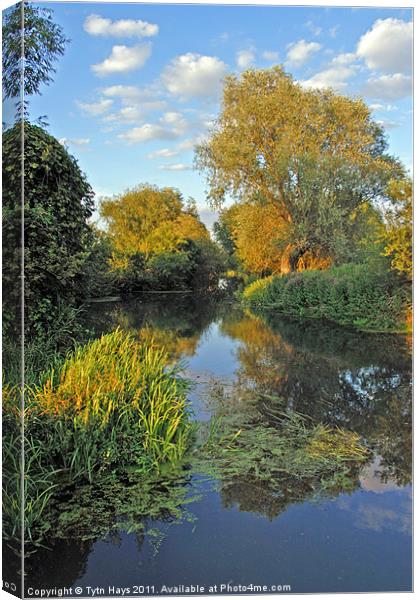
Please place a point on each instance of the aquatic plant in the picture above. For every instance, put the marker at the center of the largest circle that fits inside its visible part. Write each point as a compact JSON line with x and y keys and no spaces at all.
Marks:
{"x":112,"y":404}
{"x":271,"y":458}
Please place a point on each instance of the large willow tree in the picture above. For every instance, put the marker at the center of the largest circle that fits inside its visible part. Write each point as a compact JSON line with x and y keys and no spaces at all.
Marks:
{"x":318,"y":156}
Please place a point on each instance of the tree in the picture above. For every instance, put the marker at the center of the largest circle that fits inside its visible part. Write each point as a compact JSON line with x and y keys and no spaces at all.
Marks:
{"x":57,"y":204}
{"x":398,"y":235}
{"x":301,"y":150}
{"x":149,"y":220}
{"x":44,"y":41}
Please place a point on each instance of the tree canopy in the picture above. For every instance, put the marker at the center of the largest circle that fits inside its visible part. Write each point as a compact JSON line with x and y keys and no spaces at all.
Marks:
{"x":57,"y":204}
{"x":150,"y":220}
{"x":398,"y":235}
{"x":44,"y":41}
{"x":314,"y":154}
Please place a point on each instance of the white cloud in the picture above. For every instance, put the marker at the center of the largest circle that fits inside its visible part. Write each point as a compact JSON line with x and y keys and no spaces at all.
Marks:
{"x":95,"y":109}
{"x":333,"y":77}
{"x":194,"y":75}
{"x":344,"y":59}
{"x":300,"y":52}
{"x":123,"y":59}
{"x":80,"y":141}
{"x":126,"y":92}
{"x":270,"y":55}
{"x":97,"y":25}
{"x":175,"y":167}
{"x":75,"y":141}
{"x":171,"y":117}
{"x":388,"y":46}
{"x":387,"y":124}
{"x":163,"y":153}
{"x":388,"y":87}
{"x":189,"y":144}
{"x":315,"y":29}
{"x":134,"y":113}
{"x":333,"y":31}
{"x":148,"y":132}
{"x":381,"y":107}
{"x":245,"y":58}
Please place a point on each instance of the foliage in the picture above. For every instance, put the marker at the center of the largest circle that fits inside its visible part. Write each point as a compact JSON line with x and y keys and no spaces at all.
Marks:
{"x":98,"y":278}
{"x":265,"y":461}
{"x":398,"y":235}
{"x":113,"y":403}
{"x":57,"y":203}
{"x":196,"y":264}
{"x":314,"y":154}
{"x":355,"y":295}
{"x":149,"y":220}
{"x":44,"y":42}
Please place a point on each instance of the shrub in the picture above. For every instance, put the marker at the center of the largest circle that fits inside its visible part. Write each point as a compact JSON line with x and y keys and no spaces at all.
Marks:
{"x":58,"y":202}
{"x":353,"y":294}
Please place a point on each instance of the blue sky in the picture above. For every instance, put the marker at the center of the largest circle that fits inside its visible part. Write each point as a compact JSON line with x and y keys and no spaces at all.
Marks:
{"x":140,"y":84}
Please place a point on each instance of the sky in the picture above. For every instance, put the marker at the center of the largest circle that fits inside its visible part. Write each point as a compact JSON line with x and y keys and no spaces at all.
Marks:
{"x":140,"y":84}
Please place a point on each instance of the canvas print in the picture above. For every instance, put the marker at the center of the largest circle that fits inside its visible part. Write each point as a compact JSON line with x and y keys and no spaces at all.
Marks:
{"x":207,"y":296}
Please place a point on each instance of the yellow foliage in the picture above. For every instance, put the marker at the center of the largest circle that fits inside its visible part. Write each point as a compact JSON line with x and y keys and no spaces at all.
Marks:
{"x":149,"y":220}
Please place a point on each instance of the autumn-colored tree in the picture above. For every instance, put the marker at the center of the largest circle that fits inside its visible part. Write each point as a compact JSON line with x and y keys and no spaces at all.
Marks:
{"x":314,"y":154}
{"x":149,"y":220}
{"x":398,"y":236}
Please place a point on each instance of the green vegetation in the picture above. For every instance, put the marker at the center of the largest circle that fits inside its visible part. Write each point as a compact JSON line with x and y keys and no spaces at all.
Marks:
{"x":113,"y":403}
{"x":58,"y":202}
{"x":354,"y":295}
{"x":266,"y":458}
{"x":44,"y":43}
{"x":108,"y":436}
{"x":157,"y":242}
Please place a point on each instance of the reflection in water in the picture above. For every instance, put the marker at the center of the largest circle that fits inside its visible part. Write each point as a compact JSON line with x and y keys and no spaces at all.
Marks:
{"x":253,"y":369}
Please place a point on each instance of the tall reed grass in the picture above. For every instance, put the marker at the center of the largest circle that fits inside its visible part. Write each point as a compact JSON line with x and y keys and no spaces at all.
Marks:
{"x":111,"y":404}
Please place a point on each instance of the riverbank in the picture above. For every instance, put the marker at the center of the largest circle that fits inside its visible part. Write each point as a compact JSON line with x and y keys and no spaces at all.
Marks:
{"x":355,"y":295}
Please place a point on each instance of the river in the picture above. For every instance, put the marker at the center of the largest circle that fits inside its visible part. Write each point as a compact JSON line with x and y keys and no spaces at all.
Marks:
{"x":356,"y":539}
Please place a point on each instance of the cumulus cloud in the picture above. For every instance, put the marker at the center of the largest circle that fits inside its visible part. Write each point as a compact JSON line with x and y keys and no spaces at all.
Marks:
{"x":175,"y":167}
{"x":383,"y":107}
{"x":194,"y":75}
{"x":300,"y":52}
{"x":344,"y":59}
{"x":388,"y":87}
{"x":134,"y":113}
{"x":245,"y":58}
{"x":163,"y":153}
{"x":148,"y":132}
{"x":75,"y":141}
{"x":270,"y":55}
{"x":123,"y":59}
{"x":388,"y":46}
{"x":95,"y":109}
{"x":333,"y":77}
{"x":97,"y":25}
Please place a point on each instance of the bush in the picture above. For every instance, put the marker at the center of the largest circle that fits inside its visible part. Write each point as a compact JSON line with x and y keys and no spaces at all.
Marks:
{"x":57,"y":203}
{"x":353,"y":294}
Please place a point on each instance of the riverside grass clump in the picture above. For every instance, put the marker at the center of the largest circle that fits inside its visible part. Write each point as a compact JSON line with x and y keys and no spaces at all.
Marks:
{"x":354,"y":295}
{"x":113,"y":403}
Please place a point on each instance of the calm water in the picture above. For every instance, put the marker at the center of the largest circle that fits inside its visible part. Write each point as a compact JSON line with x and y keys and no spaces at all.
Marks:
{"x":358,"y":540}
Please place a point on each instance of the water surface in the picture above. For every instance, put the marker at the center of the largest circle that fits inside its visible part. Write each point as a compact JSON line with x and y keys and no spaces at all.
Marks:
{"x":356,"y":539}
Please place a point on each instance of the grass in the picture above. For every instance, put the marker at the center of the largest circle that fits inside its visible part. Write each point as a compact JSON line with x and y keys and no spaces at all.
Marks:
{"x":355,"y":295}
{"x":112,"y":403}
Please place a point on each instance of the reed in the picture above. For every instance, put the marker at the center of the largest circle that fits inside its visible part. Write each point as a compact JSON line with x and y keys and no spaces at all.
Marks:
{"x":112,"y":403}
